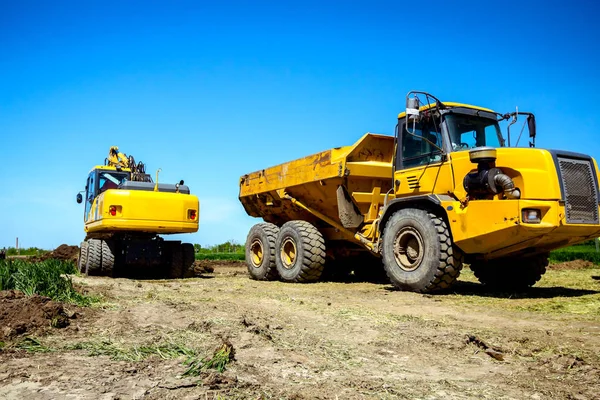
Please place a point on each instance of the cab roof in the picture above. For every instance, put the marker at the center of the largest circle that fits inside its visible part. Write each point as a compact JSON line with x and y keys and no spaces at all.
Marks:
{"x":448,"y":104}
{"x":109,"y":168}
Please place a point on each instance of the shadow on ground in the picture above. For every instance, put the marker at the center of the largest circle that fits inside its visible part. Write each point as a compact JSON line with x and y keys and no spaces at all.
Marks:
{"x":477,"y":289}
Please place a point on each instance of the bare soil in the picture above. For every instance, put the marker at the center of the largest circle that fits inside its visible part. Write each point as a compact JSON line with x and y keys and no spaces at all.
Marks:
{"x":64,"y":252}
{"x":22,"y":315}
{"x":575,"y":264}
{"x":326,"y":340}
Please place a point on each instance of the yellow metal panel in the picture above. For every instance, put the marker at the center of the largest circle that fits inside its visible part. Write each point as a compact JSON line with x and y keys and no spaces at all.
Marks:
{"x":433,"y":178}
{"x":370,"y":169}
{"x":532,"y":170}
{"x":495,"y":227}
{"x":139,"y":210}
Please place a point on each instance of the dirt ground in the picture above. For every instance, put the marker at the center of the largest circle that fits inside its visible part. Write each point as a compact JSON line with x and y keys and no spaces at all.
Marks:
{"x":329,"y":340}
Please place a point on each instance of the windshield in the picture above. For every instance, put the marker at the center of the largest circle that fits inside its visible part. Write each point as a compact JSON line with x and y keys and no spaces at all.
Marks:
{"x":110,"y":180}
{"x":469,"y":131}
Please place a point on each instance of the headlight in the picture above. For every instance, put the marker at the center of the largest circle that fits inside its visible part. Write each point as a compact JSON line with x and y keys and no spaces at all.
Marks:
{"x":531,"y":216}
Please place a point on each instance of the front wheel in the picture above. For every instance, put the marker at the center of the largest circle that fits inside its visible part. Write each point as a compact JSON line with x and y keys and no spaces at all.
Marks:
{"x":93,"y":265}
{"x":418,"y":254}
{"x":83,"y":255}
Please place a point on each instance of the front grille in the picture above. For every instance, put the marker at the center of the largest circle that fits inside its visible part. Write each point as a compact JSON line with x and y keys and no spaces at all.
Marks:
{"x":580,"y":190}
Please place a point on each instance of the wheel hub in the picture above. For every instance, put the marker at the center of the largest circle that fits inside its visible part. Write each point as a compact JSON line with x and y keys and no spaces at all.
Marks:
{"x":256,"y":253}
{"x":288,"y":253}
{"x":408,"y":249}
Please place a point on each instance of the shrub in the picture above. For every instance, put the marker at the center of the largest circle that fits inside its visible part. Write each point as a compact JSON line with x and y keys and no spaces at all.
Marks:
{"x":220,"y":256}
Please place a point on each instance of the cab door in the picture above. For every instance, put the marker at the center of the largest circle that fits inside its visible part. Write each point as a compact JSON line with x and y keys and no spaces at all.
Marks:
{"x":90,"y":195}
{"x":421,"y":166}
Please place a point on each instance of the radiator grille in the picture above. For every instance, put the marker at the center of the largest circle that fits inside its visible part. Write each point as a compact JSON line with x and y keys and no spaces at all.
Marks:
{"x":580,"y":191}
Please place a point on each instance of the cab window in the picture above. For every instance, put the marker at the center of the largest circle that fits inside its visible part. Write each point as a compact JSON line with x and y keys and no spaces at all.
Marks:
{"x":468,"y":132}
{"x":110,"y":180}
{"x":90,"y":193}
{"x":422,"y":147}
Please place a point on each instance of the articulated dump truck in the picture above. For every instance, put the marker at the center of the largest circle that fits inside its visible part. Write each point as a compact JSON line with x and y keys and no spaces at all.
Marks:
{"x":447,"y":189}
{"x":125,"y":215}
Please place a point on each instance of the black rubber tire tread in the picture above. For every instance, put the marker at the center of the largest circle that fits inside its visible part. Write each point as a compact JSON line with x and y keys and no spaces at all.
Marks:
{"x":310,"y":258}
{"x":267,"y":233}
{"x":82,"y":259}
{"x":108,"y":258}
{"x":188,"y":258}
{"x":93,"y":267}
{"x":442,"y":261}
{"x":511,"y":273}
{"x":176,"y":267}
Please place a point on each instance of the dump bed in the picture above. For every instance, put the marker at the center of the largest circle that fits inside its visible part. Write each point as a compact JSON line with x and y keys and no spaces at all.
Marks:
{"x":363,"y":170}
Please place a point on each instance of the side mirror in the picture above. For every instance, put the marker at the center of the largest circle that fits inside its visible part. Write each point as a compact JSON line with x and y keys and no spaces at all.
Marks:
{"x":531,"y":125}
{"x":79,"y":198}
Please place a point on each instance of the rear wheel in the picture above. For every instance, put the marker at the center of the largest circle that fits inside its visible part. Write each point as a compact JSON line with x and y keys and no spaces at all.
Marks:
{"x":93,"y":265}
{"x":260,"y":252}
{"x":188,"y":257}
{"x":83,"y":255}
{"x":176,"y":267}
{"x":417,"y":252}
{"x":511,"y":273}
{"x":108,"y":258}
{"x":300,"y":252}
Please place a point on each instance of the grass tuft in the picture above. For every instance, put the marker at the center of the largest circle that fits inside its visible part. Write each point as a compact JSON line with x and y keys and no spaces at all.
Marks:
{"x":222,"y":356}
{"x":46,"y":278}
{"x":32,"y":345}
{"x":134,"y":353}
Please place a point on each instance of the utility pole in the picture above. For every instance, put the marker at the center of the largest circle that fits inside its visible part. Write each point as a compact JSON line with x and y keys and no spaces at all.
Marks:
{"x":18,"y":252}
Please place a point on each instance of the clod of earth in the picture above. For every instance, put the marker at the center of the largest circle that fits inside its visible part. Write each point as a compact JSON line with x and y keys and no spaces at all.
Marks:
{"x":20,"y":314}
{"x":63,"y":252}
{"x":492,"y":351}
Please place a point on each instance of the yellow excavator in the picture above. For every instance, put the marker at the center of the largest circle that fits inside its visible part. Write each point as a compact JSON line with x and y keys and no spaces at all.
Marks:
{"x":125,"y":214}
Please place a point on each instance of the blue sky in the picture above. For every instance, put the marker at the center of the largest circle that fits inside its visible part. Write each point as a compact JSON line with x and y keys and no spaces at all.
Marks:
{"x":209,"y":91}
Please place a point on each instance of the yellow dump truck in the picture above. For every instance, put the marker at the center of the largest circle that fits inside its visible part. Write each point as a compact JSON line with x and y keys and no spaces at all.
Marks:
{"x":447,"y":189}
{"x":125,"y":212}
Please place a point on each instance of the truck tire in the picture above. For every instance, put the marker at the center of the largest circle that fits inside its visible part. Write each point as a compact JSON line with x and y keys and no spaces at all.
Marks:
{"x":108,"y":258}
{"x":176,"y":267}
{"x":511,"y":273}
{"x":82,"y":259}
{"x":260,"y":252}
{"x":188,"y":257}
{"x":93,"y":266}
{"x":300,"y":252}
{"x":418,"y":254}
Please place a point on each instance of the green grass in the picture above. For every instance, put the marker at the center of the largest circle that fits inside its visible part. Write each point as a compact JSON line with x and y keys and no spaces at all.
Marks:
{"x":579,"y":252}
{"x":194,"y":363}
{"x":135,"y":352}
{"x":218,"y":361}
{"x":46,"y":278}
{"x":220,"y":256}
